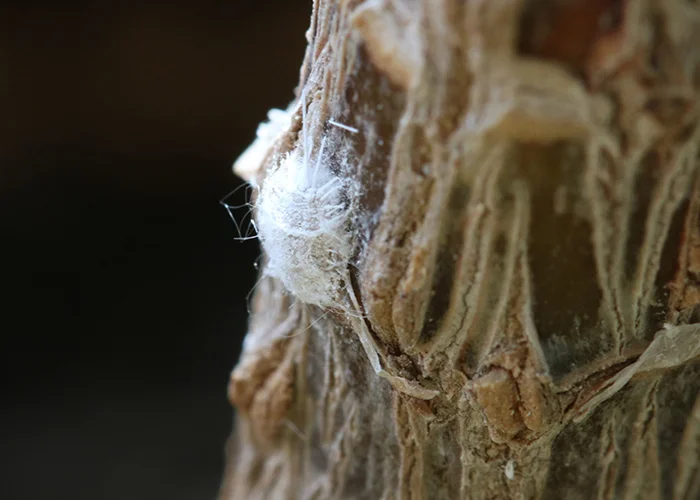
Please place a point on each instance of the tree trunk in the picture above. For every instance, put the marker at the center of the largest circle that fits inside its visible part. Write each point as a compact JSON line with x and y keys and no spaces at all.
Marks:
{"x":490,"y":288}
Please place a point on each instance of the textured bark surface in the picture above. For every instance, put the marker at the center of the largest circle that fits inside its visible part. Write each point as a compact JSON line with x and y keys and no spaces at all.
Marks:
{"x":526,"y":267}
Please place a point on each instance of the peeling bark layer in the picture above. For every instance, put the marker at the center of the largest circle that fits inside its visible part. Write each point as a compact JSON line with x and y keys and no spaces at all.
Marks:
{"x":522,"y":310}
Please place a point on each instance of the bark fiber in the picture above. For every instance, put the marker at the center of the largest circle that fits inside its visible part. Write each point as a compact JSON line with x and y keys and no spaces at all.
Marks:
{"x":527,"y":260}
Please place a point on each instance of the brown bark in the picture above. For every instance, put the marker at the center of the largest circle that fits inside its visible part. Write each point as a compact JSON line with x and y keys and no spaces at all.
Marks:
{"x":520,"y":317}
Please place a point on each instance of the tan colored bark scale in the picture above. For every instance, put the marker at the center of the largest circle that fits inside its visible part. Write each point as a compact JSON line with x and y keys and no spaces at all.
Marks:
{"x":527,"y":261}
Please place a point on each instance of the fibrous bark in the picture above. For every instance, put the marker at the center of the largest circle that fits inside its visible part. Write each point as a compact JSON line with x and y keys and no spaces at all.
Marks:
{"x":520,"y":317}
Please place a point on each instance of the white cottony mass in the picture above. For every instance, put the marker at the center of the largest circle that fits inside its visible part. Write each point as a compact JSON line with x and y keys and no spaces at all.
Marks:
{"x":302,"y":221}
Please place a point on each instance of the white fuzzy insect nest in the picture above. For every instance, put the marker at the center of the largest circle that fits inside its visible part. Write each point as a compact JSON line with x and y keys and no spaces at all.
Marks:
{"x":302,"y":218}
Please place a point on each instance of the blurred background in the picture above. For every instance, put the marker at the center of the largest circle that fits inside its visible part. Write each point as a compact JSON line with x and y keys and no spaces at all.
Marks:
{"x":124,"y":291}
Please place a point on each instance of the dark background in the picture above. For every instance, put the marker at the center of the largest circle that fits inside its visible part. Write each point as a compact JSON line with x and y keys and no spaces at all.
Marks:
{"x":123,"y":289}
